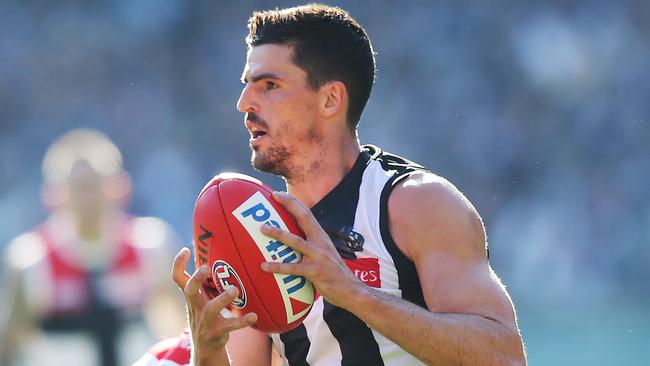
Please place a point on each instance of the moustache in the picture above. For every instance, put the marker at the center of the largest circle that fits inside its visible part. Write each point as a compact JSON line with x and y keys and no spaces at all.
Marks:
{"x":252,"y":117}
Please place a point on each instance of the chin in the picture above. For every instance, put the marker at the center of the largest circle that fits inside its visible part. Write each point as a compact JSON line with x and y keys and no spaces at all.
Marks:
{"x":274,"y":160}
{"x":258,"y":162}
{"x":266,"y":165}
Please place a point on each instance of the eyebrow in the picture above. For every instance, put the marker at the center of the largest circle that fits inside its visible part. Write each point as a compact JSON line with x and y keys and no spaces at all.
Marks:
{"x":255,"y":78}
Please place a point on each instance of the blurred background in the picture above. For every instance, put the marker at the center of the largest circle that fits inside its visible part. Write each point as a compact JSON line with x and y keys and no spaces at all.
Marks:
{"x":539,"y":111}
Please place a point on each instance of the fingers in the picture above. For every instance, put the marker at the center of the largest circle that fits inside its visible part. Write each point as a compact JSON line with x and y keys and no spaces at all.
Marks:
{"x":231,"y":324}
{"x":215,"y":306}
{"x":285,"y":237}
{"x":220,"y":302}
{"x":299,"y":269}
{"x":179,"y":274}
{"x":304,"y":217}
{"x":195,"y":283}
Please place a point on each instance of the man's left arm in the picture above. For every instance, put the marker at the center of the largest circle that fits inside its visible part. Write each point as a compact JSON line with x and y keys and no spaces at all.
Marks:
{"x":469,"y":318}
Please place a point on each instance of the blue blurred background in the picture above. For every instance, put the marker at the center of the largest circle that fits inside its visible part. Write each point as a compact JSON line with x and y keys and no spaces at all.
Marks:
{"x":539,"y":111}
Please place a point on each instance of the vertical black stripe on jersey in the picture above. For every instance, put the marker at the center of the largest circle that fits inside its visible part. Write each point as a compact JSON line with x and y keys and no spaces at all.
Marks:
{"x":409,"y":282}
{"x":355,"y":339}
{"x":296,"y":346}
{"x":338,"y":208}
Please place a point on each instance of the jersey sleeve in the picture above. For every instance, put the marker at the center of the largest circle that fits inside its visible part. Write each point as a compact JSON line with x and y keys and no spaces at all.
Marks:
{"x":169,"y":352}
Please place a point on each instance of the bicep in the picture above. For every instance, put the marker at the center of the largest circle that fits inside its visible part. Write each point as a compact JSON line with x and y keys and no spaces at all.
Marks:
{"x":452,"y":285}
{"x":440,"y":230}
{"x":248,"y":346}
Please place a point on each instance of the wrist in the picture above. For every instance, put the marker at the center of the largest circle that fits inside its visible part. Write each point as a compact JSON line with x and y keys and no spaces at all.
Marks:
{"x":211,"y":357}
{"x":360,"y":300}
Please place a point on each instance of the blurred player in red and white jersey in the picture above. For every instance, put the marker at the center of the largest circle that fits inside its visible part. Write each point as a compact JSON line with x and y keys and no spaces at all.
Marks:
{"x":168,"y":352}
{"x":80,"y":285}
{"x":177,"y":351}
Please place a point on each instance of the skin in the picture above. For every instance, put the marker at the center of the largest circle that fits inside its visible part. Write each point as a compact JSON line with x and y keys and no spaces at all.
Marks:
{"x":469,"y":319}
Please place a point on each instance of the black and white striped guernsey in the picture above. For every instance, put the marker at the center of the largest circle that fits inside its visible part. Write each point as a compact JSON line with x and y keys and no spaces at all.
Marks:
{"x":355,"y":216}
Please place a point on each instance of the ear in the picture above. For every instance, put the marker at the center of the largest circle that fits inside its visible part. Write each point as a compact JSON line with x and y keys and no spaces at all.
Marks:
{"x":334,"y":98}
{"x":54,"y":196}
{"x":118,"y":188}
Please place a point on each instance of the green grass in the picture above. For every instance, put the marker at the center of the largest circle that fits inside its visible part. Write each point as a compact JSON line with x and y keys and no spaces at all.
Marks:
{"x":592,"y":335}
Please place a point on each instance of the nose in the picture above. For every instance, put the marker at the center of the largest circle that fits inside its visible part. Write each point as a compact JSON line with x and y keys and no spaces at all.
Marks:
{"x":246,"y":102}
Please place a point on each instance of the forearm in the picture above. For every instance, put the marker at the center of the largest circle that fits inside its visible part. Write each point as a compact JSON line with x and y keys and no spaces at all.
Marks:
{"x":439,"y":338}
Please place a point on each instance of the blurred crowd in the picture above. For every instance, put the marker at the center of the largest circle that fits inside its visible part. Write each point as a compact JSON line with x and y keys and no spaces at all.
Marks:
{"x":538,"y":111}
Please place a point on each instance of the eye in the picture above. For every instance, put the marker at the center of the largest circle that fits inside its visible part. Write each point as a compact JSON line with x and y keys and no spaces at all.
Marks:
{"x":270,"y":85}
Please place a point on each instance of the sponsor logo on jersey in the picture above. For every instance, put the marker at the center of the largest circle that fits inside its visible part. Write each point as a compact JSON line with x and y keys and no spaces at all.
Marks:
{"x":366,"y":269}
{"x":225,"y":276}
{"x":346,"y":240}
{"x":297,"y":293}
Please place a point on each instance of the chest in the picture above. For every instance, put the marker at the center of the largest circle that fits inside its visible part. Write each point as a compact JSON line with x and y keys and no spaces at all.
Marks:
{"x":67,"y":286}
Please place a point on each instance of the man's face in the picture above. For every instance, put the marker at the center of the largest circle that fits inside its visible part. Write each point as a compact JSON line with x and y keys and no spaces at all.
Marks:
{"x":281,"y":111}
{"x":87,"y":192}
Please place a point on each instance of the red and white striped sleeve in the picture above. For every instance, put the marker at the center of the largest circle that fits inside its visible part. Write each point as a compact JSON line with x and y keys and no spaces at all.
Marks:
{"x":168,"y":352}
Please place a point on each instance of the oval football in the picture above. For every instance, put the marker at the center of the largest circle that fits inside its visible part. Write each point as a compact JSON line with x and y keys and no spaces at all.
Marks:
{"x":228,"y":215}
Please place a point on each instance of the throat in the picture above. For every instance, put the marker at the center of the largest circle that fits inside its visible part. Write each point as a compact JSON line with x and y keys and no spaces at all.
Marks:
{"x":313,"y":179}
{"x":318,"y":180}
{"x":306,"y":174}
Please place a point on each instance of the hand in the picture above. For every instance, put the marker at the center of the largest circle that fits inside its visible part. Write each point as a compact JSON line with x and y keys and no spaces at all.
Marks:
{"x":209,"y":329}
{"x":321,"y":264}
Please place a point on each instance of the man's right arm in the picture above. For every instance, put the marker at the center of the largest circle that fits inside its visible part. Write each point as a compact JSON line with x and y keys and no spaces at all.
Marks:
{"x":210,"y":330}
{"x":9,"y":300}
{"x":16,"y":313}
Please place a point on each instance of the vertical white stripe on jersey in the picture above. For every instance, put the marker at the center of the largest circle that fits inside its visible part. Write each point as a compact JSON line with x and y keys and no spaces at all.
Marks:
{"x":279,"y":346}
{"x":366,"y":222}
{"x":393,"y":354}
{"x":319,"y":334}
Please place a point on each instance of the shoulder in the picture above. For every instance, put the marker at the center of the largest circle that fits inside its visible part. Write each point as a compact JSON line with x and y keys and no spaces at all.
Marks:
{"x":26,"y":263}
{"x":427,"y":212}
{"x":168,"y":352}
{"x":154,"y":241}
{"x":25,"y":251}
{"x":151,"y":233}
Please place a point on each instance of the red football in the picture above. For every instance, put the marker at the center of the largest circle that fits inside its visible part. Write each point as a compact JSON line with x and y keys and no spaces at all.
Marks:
{"x":228,"y":215}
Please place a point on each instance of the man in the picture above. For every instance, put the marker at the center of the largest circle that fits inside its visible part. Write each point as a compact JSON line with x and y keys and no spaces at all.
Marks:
{"x":397,"y":254}
{"x":78,"y":284}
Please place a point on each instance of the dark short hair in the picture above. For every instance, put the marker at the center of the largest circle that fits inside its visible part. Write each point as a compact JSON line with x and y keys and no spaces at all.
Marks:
{"x":328,"y":44}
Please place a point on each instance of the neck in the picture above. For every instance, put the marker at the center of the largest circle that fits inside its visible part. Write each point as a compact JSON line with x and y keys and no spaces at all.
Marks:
{"x":327,"y":171}
{"x":89,"y":229}
{"x":93,"y":228}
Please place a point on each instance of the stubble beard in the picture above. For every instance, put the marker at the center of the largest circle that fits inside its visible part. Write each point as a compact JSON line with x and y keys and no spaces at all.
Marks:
{"x":277,"y":159}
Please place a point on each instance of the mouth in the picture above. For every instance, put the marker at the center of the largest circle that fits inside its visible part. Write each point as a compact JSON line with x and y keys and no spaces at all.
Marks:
{"x":257,"y":133}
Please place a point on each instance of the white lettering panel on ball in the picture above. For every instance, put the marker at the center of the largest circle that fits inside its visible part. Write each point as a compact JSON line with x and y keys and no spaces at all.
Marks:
{"x":297,"y":293}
